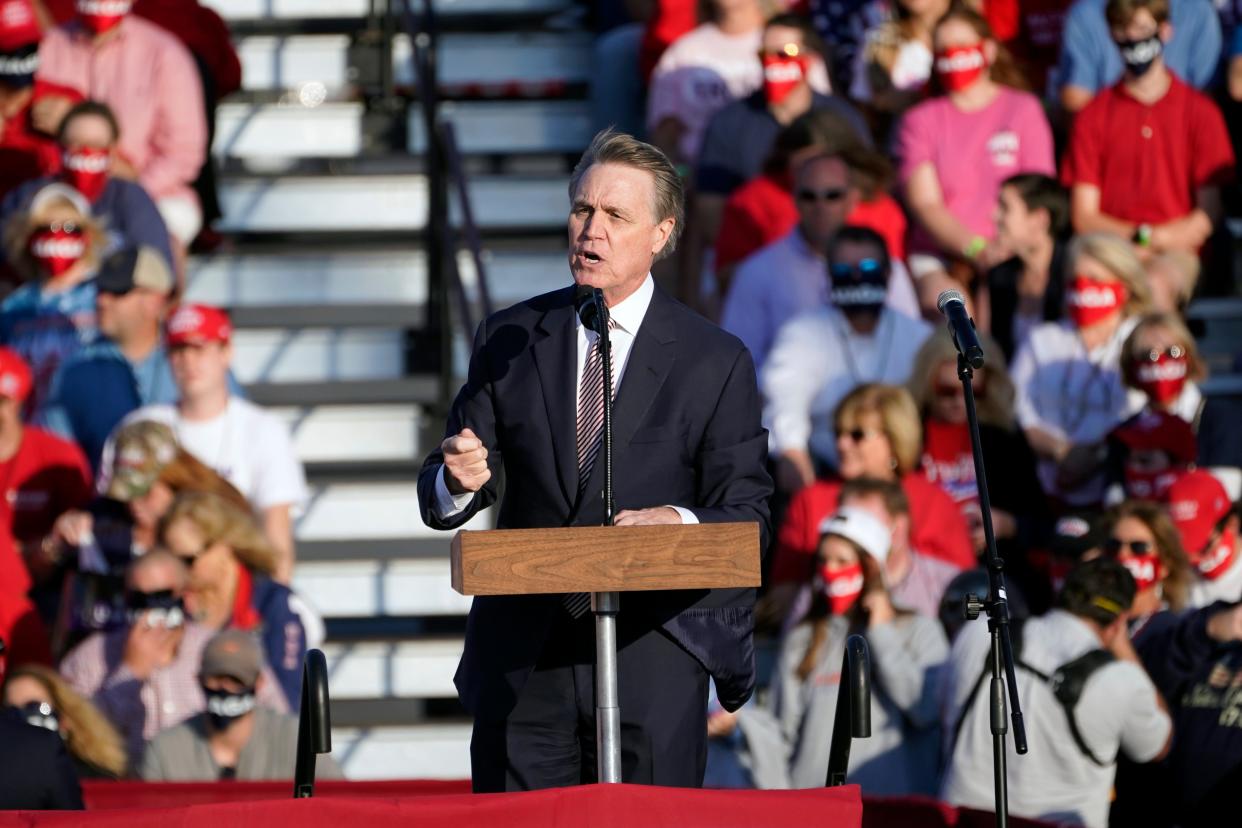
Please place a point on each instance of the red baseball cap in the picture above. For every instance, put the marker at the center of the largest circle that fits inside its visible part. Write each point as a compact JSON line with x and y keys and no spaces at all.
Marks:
{"x":14,"y":375}
{"x":1159,"y":431}
{"x":18,"y":25}
{"x":198,"y":325}
{"x":1197,"y":503}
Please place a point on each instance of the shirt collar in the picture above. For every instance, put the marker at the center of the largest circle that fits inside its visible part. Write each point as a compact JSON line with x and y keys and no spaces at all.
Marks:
{"x":628,"y":314}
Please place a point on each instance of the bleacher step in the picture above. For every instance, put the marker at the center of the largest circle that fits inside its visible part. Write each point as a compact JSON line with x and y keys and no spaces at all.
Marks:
{"x":355,"y":434}
{"x":431,"y":751}
{"x":249,"y":10}
{"x":418,"y":390}
{"x":406,"y":669}
{"x":318,"y":354}
{"x":344,"y":589}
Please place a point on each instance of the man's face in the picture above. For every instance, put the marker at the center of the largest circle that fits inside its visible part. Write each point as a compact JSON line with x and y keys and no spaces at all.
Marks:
{"x":824,"y":197}
{"x":200,"y":369}
{"x":1141,"y":26}
{"x":776,"y":38}
{"x":121,"y":316}
{"x":613,"y":232}
{"x":153,"y":578}
{"x":88,"y":132}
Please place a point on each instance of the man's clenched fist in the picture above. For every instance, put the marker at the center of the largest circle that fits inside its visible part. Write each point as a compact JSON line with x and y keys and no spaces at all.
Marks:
{"x":465,"y":463}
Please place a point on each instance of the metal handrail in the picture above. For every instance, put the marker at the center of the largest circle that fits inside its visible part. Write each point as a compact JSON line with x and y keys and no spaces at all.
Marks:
{"x":314,"y":723}
{"x":853,"y":713}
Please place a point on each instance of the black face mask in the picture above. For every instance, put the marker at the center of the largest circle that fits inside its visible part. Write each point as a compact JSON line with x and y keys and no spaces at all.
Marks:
{"x":1140,"y":55}
{"x":861,"y":287}
{"x":156,"y":609}
{"x":40,"y":714}
{"x":225,"y":707}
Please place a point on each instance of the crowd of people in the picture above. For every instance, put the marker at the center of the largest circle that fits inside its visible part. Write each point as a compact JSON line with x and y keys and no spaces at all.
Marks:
{"x":1067,"y":166}
{"x":146,"y":525}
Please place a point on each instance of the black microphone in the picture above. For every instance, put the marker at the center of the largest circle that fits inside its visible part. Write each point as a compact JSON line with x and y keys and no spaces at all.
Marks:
{"x":589,"y":301}
{"x":961,"y":326}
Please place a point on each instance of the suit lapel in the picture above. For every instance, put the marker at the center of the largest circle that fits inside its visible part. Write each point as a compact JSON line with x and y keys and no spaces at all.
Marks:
{"x":651,"y":359}
{"x":556,"y":361}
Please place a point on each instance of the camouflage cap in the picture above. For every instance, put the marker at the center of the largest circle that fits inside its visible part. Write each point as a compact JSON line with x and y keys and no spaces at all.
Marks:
{"x":143,"y":449}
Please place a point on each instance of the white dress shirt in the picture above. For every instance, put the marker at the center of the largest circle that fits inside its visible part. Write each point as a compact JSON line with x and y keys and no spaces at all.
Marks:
{"x":818,"y":359}
{"x":627,"y":316}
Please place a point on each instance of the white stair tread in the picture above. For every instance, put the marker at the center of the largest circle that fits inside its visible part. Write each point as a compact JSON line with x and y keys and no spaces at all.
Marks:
{"x":318,"y":355}
{"x":297,"y":9}
{"x":366,"y":511}
{"x":510,"y":126}
{"x":382,"y":202}
{"x":407,"y":669}
{"x":280,"y":62}
{"x":433,"y":751}
{"x":340,"y":433}
{"x":354,"y":589}
{"x":500,"y":59}
{"x":288,"y":130}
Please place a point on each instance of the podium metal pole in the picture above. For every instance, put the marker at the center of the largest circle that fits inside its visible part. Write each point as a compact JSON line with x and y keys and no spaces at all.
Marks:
{"x":607,"y":703}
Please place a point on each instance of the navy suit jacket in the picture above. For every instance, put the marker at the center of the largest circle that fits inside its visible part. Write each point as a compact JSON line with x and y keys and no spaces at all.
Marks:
{"x":686,"y":432}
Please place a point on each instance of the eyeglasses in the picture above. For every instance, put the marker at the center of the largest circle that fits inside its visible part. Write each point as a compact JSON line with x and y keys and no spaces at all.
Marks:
{"x":1113,"y":546}
{"x":832,"y":194}
{"x":1174,"y":351}
{"x":857,"y":435}
{"x":68,"y":226}
{"x":866,"y":269}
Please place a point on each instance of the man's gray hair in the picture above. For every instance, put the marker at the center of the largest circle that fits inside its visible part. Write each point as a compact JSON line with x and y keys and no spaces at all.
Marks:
{"x":612,"y":147}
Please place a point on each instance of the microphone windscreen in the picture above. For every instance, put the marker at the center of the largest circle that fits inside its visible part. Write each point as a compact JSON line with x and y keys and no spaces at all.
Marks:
{"x":949,"y":296}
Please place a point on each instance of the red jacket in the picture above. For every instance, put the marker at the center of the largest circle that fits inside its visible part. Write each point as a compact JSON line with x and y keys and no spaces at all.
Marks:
{"x":937,"y":528}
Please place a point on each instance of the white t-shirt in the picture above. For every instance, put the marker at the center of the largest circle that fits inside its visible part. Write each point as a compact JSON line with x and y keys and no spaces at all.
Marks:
{"x":245,"y":445}
{"x":1117,"y":711}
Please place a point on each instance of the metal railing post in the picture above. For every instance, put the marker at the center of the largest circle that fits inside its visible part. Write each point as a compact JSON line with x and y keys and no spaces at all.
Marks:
{"x":853,"y":713}
{"x":314,"y":723}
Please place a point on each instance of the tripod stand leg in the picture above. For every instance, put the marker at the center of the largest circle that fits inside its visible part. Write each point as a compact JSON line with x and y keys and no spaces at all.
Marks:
{"x":607,"y":705}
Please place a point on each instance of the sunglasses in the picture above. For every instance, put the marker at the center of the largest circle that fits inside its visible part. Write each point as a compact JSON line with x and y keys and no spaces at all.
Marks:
{"x":833,"y":194}
{"x":1174,"y":351}
{"x":788,"y":50}
{"x":866,"y":269}
{"x":857,"y":435}
{"x":1113,"y":546}
{"x":58,"y":226}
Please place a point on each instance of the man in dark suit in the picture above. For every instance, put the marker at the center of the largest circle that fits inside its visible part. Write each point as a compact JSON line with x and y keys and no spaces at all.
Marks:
{"x":689,"y":448}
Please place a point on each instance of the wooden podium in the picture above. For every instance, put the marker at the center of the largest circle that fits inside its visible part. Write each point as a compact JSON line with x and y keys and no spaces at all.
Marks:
{"x":606,"y":561}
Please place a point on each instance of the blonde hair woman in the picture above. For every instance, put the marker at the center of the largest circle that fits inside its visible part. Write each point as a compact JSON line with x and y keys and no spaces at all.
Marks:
{"x":1142,"y":538}
{"x":948,"y":459}
{"x":1070,"y":391}
{"x":231,"y":564}
{"x":45,"y":699}
{"x":55,"y":245}
{"x":879,"y":436}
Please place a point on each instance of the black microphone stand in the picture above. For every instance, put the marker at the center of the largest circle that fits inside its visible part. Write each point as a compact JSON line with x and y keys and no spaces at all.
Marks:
{"x":997,"y":608}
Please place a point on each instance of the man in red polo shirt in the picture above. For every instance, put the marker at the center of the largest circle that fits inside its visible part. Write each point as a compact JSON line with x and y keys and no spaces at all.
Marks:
{"x":1148,"y":157}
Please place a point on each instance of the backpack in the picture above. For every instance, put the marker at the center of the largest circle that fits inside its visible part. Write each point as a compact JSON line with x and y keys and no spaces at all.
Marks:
{"x":1067,"y":683}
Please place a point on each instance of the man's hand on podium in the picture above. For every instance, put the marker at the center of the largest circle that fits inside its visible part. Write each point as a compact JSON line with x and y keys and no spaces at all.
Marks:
{"x":647,"y":517}
{"x":465,"y":463}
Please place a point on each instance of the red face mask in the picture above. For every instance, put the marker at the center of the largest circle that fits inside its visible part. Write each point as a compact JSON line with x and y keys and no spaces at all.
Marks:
{"x":100,"y":16}
{"x":958,"y":67}
{"x":1219,"y":556}
{"x":57,"y":250}
{"x":842,"y":587}
{"x":1150,"y":485}
{"x":1163,"y":379}
{"x":86,"y":170}
{"x":1147,"y":570}
{"x":1089,"y":302}
{"x":781,"y":75}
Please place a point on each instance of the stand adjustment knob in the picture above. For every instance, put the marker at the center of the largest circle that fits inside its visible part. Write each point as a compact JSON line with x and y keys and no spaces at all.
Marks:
{"x":972,"y":606}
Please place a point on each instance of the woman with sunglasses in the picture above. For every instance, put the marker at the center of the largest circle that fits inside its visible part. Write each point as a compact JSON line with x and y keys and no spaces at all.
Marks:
{"x":1018,"y":504}
{"x":879,"y":437}
{"x":1068,"y":373}
{"x":55,"y":247}
{"x":43,"y":699}
{"x":1140,"y":536}
{"x":850,"y":596}
{"x":231,"y":565}
{"x":956,"y":148}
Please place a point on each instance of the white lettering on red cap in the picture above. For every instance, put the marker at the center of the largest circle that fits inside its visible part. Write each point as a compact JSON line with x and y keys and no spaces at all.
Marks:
{"x":185,"y":320}
{"x":10,"y":384}
{"x":1184,"y":510}
{"x":104,"y":8}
